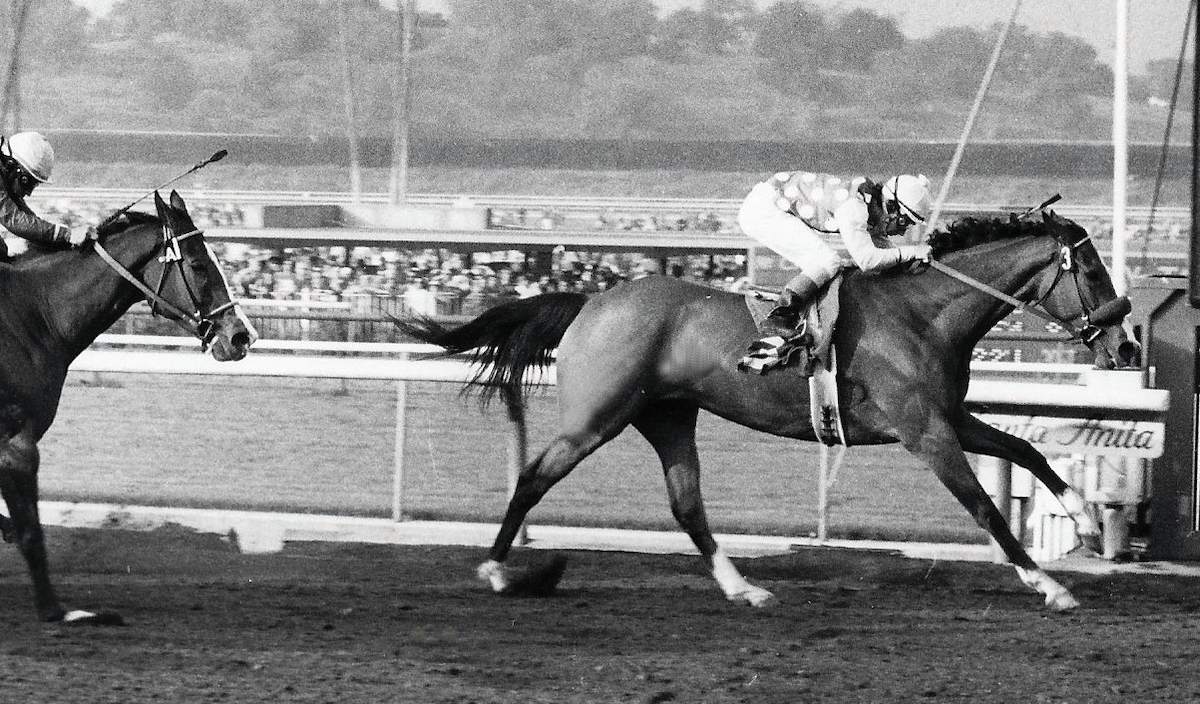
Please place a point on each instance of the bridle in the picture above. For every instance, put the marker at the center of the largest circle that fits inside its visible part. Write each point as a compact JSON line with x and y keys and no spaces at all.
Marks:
{"x":198,"y":323}
{"x":1090,"y":324}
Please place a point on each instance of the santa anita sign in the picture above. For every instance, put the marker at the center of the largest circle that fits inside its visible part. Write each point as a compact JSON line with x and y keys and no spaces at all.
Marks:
{"x":1085,"y":436}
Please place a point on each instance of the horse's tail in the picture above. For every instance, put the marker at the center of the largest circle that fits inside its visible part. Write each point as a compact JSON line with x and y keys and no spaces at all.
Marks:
{"x":505,"y":341}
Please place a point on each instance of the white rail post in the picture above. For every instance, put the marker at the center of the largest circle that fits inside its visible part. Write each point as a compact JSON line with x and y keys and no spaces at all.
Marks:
{"x":398,"y":448}
{"x":823,"y":496}
{"x":997,"y":476}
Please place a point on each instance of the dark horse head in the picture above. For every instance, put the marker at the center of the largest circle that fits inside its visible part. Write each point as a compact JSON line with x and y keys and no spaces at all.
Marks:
{"x":1073,"y":286}
{"x":179,"y":276}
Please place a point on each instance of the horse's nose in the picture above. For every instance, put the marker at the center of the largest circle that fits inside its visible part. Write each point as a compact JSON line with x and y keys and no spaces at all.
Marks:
{"x":242,"y":340}
{"x":1129,"y":354}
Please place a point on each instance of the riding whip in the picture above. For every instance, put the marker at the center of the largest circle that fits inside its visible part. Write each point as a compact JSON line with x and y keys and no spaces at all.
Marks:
{"x":1048,"y":202}
{"x":212,"y":159}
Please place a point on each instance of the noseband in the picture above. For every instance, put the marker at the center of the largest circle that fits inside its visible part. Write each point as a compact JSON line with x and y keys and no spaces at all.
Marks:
{"x":1090,"y":323}
{"x":198,"y":323}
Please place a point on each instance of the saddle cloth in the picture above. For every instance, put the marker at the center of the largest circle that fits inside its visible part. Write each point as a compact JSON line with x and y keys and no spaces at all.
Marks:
{"x":818,"y":362}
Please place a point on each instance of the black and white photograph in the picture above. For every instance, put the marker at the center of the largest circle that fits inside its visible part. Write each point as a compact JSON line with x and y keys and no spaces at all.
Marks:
{"x":607,"y":351}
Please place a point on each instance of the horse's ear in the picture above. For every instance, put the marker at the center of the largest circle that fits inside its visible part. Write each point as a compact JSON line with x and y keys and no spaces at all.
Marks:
{"x":160,"y":206}
{"x":177,"y":202}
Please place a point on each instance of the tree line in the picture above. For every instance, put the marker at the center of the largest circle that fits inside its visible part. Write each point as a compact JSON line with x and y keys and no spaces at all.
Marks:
{"x":558,"y":69}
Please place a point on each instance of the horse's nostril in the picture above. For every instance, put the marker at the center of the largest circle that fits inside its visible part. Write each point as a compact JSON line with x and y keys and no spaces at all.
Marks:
{"x":241,"y":340}
{"x":1129,"y":352}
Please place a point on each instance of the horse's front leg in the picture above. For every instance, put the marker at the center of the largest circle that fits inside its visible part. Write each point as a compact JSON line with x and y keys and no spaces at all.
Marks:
{"x":671,"y":429}
{"x":18,"y":483}
{"x":938,"y":446}
{"x":979,"y":438}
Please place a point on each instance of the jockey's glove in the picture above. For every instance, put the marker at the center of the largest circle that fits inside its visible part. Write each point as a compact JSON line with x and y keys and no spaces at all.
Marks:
{"x":80,"y":234}
{"x":916,"y":253}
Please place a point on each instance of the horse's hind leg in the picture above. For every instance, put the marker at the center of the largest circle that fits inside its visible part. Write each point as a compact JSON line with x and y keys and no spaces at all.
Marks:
{"x":19,"y":460}
{"x":671,"y":428}
{"x":982,"y":439}
{"x":547,"y":469}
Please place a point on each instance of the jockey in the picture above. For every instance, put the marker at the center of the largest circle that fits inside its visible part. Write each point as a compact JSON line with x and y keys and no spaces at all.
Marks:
{"x":793,"y":212}
{"x":26,"y":160}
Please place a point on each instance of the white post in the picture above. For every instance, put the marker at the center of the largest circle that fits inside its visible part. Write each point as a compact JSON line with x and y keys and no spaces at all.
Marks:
{"x":398,"y":449}
{"x":823,"y":496}
{"x":1004,"y":501}
{"x":1120,"y":149}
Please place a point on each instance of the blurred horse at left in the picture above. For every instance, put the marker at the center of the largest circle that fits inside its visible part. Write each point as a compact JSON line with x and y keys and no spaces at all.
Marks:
{"x":53,"y":305}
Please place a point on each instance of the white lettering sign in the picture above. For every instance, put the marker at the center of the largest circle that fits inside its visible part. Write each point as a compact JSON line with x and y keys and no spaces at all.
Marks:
{"x":1088,"y":436}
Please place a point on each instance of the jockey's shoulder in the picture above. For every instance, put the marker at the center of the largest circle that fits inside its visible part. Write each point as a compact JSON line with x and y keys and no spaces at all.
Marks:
{"x":819,"y":178}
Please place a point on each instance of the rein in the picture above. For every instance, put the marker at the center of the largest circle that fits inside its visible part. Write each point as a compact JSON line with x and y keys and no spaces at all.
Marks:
{"x":197,"y":323}
{"x":1091,"y":321}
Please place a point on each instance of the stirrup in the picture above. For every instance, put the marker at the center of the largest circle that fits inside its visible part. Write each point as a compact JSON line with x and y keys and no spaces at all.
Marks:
{"x":788,"y":331}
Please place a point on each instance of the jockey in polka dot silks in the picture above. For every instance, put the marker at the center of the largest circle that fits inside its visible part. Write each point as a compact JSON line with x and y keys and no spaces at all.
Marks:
{"x":26,"y":160}
{"x":794,"y":212}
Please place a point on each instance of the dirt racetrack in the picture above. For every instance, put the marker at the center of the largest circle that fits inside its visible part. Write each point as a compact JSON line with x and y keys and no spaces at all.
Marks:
{"x":357,"y":623}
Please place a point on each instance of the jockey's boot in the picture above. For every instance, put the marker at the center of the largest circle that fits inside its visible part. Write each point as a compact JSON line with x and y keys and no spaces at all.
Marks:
{"x":784,"y":319}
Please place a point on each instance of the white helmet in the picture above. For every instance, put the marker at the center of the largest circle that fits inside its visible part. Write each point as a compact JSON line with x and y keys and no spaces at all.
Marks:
{"x":33,"y":152}
{"x":911,"y":195}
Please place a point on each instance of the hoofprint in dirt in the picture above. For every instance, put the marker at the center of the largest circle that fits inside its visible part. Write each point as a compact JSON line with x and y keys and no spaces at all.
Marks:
{"x":336,"y":622}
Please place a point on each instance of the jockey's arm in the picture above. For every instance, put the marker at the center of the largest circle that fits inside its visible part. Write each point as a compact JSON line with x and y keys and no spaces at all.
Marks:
{"x":851,"y":219}
{"x":23,"y":223}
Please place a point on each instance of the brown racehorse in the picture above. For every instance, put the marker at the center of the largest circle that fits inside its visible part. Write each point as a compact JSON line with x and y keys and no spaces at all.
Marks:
{"x":653,"y":352}
{"x":54,"y":305}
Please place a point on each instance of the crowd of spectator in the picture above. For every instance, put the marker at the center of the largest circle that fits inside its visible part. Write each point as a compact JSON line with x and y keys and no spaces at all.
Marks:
{"x":436,"y":281}
{"x":611,"y":219}
{"x":204,"y":213}
{"x":433,"y":281}
{"x":440,"y":282}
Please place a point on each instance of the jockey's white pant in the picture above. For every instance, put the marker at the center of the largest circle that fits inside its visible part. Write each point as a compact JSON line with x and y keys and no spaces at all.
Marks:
{"x":787,"y":235}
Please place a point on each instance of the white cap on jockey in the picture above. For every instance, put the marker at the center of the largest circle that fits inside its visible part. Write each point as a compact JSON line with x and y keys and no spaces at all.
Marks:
{"x":33,"y":152}
{"x":911,"y":193}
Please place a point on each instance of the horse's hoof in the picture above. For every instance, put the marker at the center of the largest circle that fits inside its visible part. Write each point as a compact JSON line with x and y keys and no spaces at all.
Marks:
{"x":754,"y":596}
{"x":492,"y":572}
{"x":1061,"y":601}
{"x":89,"y":618}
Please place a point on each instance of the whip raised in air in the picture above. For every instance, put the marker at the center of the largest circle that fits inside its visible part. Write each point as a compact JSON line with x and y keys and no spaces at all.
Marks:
{"x":1045,"y":204}
{"x":212,"y":159}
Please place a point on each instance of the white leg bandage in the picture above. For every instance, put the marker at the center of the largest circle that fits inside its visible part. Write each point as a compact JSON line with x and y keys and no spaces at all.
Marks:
{"x":1057,"y":596}
{"x":492,"y":572}
{"x":734,"y":585}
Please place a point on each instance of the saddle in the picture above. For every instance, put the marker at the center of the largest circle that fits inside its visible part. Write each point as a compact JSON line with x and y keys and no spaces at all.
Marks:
{"x":810,"y":353}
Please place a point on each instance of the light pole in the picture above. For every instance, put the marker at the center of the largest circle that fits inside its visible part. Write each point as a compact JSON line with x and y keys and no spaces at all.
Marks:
{"x":400,"y":115}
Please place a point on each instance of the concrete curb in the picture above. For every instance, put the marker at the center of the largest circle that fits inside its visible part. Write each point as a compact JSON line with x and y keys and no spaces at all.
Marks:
{"x":264,"y":532}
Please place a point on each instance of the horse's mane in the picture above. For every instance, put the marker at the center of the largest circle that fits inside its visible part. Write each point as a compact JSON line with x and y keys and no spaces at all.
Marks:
{"x":971,"y":231}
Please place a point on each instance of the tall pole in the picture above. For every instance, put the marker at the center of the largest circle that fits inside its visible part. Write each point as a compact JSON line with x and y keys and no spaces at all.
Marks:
{"x":401,"y":94}
{"x":1120,"y":149}
{"x":1194,"y":258}
{"x":348,"y":96}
